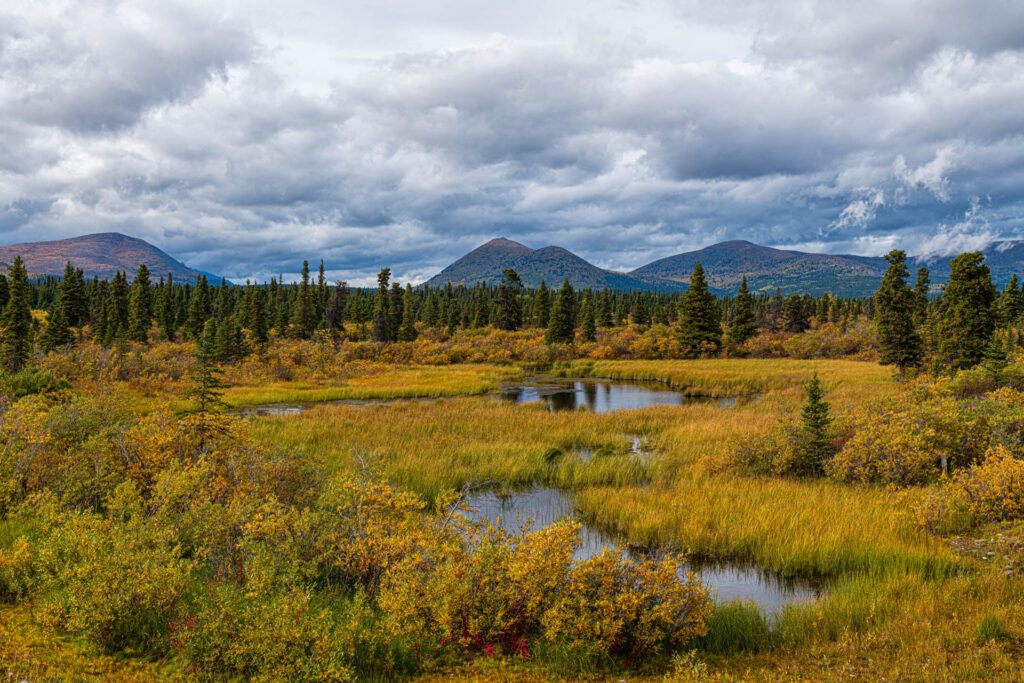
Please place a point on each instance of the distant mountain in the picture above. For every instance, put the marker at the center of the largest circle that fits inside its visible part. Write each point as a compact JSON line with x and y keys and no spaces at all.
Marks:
{"x":99,"y":255}
{"x":766,"y":268}
{"x":551,"y":264}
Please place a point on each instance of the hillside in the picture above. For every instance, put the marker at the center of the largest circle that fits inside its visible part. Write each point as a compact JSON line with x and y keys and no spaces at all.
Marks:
{"x":793,"y":272}
{"x":99,"y":255}
{"x":551,"y":264}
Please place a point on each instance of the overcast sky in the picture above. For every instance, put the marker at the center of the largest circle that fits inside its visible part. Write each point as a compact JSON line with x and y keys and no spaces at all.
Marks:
{"x":244,"y":136}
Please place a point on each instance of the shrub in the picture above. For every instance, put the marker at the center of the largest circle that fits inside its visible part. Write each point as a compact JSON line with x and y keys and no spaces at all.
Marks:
{"x":30,"y":381}
{"x":989,"y":491}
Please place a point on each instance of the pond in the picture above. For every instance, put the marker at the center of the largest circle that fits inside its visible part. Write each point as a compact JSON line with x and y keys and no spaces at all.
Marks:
{"x":601,"y":396}
{"x":542,"y":506}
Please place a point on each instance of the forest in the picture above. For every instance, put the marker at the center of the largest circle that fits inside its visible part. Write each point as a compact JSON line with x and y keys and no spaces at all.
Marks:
{"x":295,"y":481}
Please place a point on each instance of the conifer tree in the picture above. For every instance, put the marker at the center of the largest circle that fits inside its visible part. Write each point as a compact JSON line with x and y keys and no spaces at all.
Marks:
{"x":622,"y":311}
{"x":321,"y":293}
{"x":166,"y":311}
{"x":481,"y":308}
{"x":509,"y":314}
{"x":431,"y":312}
{"x":995,"y":359}
{"x":72,"y":295}
{"x":588,"y":323}
{"x":407,"y":331}
{"x":139,"y":306}
{"x":196,"y":310}
{"x":895,"y":305}
{"x":967,"y":318}
{"x":605,"y":315}
{"x":259,"y":326}
{"x":4,"y":292}
{"x":117,"y":315}
{"x":700,"y":327}
{"x":382,"y":308}
{"x":743,"y":327}
{"x":334,"y":314}
{"x":921,"y":289}
{"x":562,"y":325}
{"x":794,"y":314}
{"x":641,"y":317}
{"x":304,"y":316}
{"x":1010,"y":304}
{"x":815,"y":442}
{"x":542,"y":306}
{"x":16,"y":320}
{"x":57,"y":333}
{"x":395,"y":321}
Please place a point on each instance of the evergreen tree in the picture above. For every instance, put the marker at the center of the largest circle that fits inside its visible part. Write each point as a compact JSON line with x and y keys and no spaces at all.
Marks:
{"x":140,"y":306}
{"x":921,"y":289}
{"x":588,"y":323}
{"x":334,"y":315}
{"x":622,"y":311}
{"x":397,"y":299}
{"x":57,"y":333}
{"x":815,"y":442}
{"x":407,"y":331}
{"x":259,"y":326}
{"x":743,"y":327}
{"x":166,"y":311}
{"x":72,"y":295}
{"x":605,"y":315}
{"x":321,"y":293}
{"x":967,"y":318}
{"x":700,"y":327}
{"x":304,"y":318}
{"x":117,"y":314}
{"x":196,"y":310}
{"x":542,"y":306}
{"x":1010,"y":304}
{"x":16,"y":320}
{"x":382,"y":308}
{"x":4,"y":293}
{"x":895,"y":304}
{"x":995,"y":359}
{"x":509,"y":314}
{"x":562,"y":325}
{"x":794,"y":313}
{"x":640,"y":315}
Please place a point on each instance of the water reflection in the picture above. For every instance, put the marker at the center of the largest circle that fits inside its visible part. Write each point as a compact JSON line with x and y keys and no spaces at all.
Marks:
{"x":601,"y":396}
{"x":541,"y":506}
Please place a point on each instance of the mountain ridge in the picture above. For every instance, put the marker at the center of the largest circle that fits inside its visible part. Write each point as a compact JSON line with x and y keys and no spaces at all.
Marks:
{"x":99,"y":255}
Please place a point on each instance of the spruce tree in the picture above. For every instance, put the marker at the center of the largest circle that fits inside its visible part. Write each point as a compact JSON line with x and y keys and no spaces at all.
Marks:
{"x":4,"y":292}
{"x":922,"y":287}
{"x":167,"y":316}
{"x":72,"y":295}
{"x":509,"y":314}
{"x":895,"y":305}
{"x":117,"y":315}
{"x":334,"y":315}
{"x":196,"y":310}
{"x":1010,"y":304}
{"x":304,"y":317}
{"x":967,"y":318}
{"x":16,"y":320}
{"x":742,"y":327}
{"x":139,"y":306}
{"x":382,"y":308}
{"x":588,"y":323}
{"x":605,"y":314}
{"x":397,"y":298}
{"x":700,"y":328}
{"x":562,"y":325}
{"x":57,"y":333}
{"x":259,"y":325}
{"x":995,"y":359}
{"x":542,"y":306}
{"x":815,"y":445}
{"x":407,"y":330}
{"x":794,"y":313}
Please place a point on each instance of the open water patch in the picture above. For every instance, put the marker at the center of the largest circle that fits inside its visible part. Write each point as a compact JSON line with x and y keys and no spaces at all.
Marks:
{"x":540,"y":506}
{"x":602,"y":396}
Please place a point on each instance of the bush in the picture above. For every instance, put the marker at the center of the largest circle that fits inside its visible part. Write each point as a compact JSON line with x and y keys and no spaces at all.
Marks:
{"x":989,"y":491}
{"x":31,"y":381}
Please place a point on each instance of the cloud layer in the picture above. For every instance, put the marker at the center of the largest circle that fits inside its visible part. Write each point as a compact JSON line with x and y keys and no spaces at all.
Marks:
{"x":245,"y":138}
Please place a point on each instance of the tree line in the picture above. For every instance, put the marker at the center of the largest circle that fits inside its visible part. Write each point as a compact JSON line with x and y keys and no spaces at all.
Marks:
{"x":957,"y":327}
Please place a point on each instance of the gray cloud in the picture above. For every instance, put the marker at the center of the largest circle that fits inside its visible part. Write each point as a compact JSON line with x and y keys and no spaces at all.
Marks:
{"x":244,"y":142}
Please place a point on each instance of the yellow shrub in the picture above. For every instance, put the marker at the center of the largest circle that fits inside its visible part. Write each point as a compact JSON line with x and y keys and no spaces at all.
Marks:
{"x":989,"y":491}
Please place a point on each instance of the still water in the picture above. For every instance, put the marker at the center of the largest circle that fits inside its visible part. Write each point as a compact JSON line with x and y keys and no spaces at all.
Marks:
{"x":541,"y":506}
{"x":601,"y":396}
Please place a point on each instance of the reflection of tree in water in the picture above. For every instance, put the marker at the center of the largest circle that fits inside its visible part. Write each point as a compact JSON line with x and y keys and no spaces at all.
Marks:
{"x":514,"y":394}
{"x":562,"y":400}
{"x":590,"y":394}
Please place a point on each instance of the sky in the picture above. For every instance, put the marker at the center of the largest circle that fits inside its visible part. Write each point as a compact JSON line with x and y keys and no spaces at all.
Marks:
{"x":243,"y":137}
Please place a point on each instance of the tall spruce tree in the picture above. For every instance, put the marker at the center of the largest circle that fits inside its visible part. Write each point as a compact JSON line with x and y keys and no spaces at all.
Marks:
{"x":57,"y":333}
{"x":16,"y":320}
{"x":605,"y":314}
{"x":895,"y":305}
{"x":509,"y":314}
{"x":967,"y":317}
{"x":1010,"y":305}
{"x":700,"y":327}
{"x":562,"y":325}
{"x":542,"y":306}
{"x":922,"y":287}
{"x":588,"y":322}
{"x":140,"y":306}
{"x":167,"y":317}
{"x":304,"y":318}
{"x":407,"y":330}
{"x":73,"y":297}
{"x":382,"y":308}
{"x":4,"y":291}
{"x":743,"y":326}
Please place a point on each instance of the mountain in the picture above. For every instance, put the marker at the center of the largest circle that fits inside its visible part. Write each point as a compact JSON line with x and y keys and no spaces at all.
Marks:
{"x":99,"y":255}
{"x":794,"y":272}
{"x":551,"y":264}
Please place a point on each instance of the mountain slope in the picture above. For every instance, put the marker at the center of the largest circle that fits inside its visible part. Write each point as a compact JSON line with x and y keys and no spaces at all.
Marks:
{"x":551,"y":264}
{"x":100,"y":255}
{"x":794,"y":272}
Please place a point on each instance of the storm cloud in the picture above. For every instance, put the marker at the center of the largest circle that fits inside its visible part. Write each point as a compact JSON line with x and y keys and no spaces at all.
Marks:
{"x":246,"y":137}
